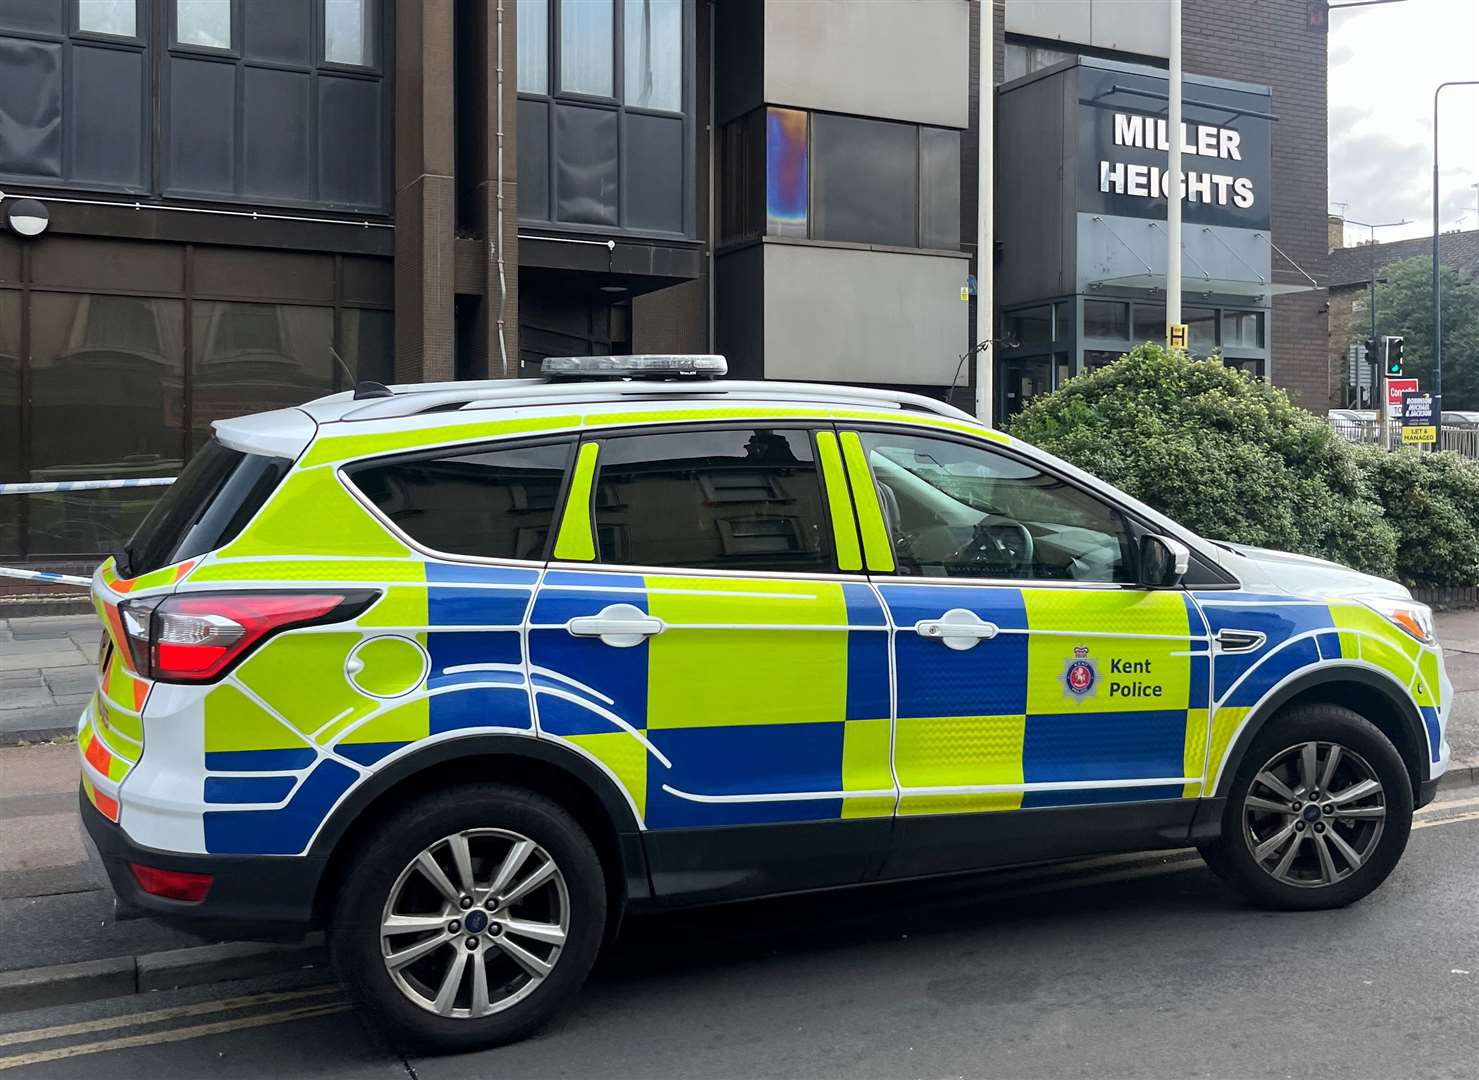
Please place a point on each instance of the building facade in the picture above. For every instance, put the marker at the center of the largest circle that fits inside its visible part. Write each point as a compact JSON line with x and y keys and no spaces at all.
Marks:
{"x":256,"y":201}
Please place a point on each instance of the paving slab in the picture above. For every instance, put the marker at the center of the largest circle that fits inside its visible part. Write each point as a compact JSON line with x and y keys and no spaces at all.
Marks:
{"x":57,"y":657}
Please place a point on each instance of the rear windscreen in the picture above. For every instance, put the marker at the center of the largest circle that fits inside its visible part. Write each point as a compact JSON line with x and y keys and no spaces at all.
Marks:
{"x":205,"y":508}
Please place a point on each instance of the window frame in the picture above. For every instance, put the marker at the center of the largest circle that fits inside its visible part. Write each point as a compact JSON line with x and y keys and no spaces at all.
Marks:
{"x":1215,"y":577}
{"x":140,"y":36}
{"x":374,"y":25}
{"x":174,"y":44}
{"x":570,"y":439}
{"x":829,"y":540}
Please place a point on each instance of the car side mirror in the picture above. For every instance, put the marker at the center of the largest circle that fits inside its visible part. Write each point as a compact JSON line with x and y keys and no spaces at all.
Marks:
{"x":1163,"y":561}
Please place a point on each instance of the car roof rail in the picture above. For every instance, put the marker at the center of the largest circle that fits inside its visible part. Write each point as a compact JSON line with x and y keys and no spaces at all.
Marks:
{"x":416,"y":400}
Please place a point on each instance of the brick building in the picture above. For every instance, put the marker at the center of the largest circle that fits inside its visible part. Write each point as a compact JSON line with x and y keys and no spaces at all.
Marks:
{"x":240,"y":192}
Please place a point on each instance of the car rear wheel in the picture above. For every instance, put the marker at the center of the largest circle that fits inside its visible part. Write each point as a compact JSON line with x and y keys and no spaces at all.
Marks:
{"x":472,"y":916}
{"x":1318,"y":813}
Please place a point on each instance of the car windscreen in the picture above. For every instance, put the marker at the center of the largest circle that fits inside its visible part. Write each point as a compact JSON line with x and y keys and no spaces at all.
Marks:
{"x":206,"y":507}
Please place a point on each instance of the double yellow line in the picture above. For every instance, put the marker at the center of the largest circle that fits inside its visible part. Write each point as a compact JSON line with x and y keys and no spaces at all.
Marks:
{"x":302,"y":1004}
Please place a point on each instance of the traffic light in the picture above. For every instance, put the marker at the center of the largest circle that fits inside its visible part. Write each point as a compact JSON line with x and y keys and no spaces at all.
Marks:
{"x":1371,"y":357}
{"x":1392,"y":355}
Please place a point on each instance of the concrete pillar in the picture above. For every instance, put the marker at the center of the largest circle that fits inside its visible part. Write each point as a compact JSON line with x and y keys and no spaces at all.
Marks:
{"x":425,"y":191}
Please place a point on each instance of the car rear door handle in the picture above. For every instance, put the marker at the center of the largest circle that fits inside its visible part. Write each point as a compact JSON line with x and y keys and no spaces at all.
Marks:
{"x":958,"y":629}
{"x":618,"y":625}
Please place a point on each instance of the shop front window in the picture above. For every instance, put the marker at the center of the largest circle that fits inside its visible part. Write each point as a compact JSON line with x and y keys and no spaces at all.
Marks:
{"x":10,"y":448}
{"x":1030,"y":324}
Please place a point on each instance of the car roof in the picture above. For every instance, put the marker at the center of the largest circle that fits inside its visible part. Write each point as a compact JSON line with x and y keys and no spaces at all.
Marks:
{"x":419,"y":399}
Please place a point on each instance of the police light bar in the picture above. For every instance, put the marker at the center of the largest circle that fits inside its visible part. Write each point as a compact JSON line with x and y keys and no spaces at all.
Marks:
{"x":645,"y":366}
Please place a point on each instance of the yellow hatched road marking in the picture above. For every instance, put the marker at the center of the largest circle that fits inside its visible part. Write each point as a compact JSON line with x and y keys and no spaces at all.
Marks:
{"x":195,"y":1031}
{"x":154,"y":1016}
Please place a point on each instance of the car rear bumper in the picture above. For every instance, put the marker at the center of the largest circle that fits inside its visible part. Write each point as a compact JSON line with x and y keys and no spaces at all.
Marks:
{"x":251,"y":896}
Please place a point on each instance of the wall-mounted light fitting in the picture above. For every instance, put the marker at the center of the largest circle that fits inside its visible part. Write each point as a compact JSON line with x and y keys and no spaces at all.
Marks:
{"x":26,"y":216}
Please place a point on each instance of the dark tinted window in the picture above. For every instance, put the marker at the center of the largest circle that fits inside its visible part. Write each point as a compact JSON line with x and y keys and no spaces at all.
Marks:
{"x":863,"y":180}
{"x":726,"y":500}
{"x":493,"y":503}
{"x":205,"y":508}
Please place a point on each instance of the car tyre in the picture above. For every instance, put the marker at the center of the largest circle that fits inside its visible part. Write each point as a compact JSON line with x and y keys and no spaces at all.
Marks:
{"x":471,"y":833}
{"x":1362,"y":822}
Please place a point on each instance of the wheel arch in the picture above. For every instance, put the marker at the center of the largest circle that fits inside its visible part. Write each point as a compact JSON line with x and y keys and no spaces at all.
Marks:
{"x":554,"y":771}
{"x":1369,"y":693}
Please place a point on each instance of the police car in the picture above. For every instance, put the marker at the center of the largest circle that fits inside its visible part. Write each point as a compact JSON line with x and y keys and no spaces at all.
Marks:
{"x":462,"y":672}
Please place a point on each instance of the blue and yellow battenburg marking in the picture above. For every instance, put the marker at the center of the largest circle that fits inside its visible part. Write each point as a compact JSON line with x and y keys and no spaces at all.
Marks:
{"x":761,"y":700}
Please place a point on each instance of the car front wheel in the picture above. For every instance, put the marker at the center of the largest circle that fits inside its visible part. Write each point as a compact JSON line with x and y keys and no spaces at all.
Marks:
{"x":472,"y":917}
{"x":1317,"y":815}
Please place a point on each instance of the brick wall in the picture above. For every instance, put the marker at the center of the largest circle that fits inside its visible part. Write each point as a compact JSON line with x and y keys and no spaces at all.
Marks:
{"x":1269,"y":42}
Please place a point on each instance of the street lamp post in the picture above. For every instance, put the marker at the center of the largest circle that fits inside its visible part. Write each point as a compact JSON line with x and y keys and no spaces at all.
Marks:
{"x":1437,"y":283}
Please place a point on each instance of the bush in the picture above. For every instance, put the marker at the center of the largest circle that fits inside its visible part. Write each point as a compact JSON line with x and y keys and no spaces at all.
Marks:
{"x":1224,"y":454}
{"x":1432,"y":500}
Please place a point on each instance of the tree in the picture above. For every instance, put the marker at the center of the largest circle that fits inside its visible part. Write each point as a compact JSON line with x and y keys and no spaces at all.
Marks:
{"x":1404,"y":307}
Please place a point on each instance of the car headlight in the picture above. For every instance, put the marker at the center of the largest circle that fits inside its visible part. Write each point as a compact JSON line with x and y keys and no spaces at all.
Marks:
{"x":1416,"y":619}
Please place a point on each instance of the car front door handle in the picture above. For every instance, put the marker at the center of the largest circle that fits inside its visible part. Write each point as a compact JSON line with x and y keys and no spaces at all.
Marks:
{"x":958,"y":629}
{"x":619,"y":625}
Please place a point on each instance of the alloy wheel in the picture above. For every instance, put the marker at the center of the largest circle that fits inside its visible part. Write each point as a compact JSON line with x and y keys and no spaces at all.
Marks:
{"x":475,"y":923}
{"x":1314,"y":814}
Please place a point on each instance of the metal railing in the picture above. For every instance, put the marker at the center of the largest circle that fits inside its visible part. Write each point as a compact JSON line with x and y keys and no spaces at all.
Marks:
{"x":1463,"y":441}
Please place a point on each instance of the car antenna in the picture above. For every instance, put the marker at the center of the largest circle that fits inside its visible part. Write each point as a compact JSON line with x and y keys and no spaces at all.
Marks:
{"x":366,"y":388}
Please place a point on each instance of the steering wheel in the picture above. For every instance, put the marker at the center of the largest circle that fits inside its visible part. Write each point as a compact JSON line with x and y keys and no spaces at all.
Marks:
{"x":998,"y":544}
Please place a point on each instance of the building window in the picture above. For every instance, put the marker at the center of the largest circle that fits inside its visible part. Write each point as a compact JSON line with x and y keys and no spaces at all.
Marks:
{"x":349,"y":35}
{"x":864,"y":180}
{"x":116,"y":18}
{"x":1242,"y":329}
{"x":1030,"y":325}
{"x":533,"y":30}
{"x":586,"y":47}
{"x":1253,"y":366}
{"x":204,"y":23}
{"x":1106,"y":319}
{"x":939,"y":188}
{"x":787,"y":171}
{"x":841,"y":178}
{"x":653,"y":37}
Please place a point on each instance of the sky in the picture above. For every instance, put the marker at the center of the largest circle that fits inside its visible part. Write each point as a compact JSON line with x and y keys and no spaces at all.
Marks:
{"x":1385,"y":61}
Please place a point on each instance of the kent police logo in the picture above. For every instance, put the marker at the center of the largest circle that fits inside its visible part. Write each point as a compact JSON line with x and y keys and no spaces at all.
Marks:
{"x":1080,"y":674}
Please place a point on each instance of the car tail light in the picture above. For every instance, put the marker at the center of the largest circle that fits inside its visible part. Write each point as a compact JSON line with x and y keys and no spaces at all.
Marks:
{"x":172,"y":884}
{"x":196,"y":637}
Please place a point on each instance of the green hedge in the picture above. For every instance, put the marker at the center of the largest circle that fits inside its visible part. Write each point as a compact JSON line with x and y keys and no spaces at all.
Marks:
{"x":1234,"y":459}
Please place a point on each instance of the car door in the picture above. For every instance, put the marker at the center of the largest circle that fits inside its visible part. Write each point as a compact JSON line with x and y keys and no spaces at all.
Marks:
{"x":699,"y":634}
{"x":1032,"y":671}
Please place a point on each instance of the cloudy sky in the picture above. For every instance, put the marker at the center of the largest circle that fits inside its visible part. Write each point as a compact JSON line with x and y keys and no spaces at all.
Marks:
{"x":1385,"y":61}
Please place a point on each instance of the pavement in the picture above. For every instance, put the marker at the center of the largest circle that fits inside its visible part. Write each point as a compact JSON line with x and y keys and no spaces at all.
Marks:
{"x":46,"y":674}
{"x":1099,"y":971}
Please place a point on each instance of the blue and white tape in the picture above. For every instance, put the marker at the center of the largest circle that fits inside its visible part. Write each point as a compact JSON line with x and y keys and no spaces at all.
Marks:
{"x":45,"y":577}
{"x":85,"y":485}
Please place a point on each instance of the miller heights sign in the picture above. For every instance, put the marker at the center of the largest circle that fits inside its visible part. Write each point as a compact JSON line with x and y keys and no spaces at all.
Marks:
{"x":1225,"y":141}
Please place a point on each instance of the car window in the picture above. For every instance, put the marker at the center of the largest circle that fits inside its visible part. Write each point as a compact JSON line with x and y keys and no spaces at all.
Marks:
{"x":745,"y":499}
{"x":958,"y":510}
{"x":492,"y":503}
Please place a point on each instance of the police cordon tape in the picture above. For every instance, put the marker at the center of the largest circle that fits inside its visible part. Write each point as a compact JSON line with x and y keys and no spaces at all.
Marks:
{"x":48,"y":577}
{"x":85,"y":485}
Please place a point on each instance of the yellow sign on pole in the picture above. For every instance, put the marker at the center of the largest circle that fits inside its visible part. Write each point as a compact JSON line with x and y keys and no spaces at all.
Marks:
{"x":1421,"y":436}
{"x":1176,"y":336}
